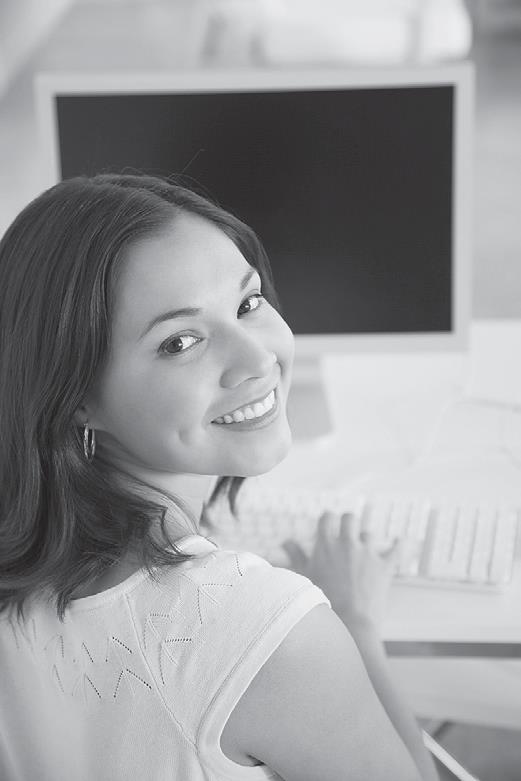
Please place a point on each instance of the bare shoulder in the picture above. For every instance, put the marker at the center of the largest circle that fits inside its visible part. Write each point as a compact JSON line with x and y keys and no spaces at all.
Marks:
{"x":311,"y":711}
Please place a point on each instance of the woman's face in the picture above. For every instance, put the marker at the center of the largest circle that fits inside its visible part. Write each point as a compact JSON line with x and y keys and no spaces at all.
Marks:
{"x":170,"y":379}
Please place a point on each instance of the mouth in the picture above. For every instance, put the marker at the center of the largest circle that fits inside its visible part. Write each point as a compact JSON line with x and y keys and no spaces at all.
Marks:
{"x":251,"y":416}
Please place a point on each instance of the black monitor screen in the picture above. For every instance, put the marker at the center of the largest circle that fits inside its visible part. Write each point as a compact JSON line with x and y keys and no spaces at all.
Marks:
{"x":350,"y":190}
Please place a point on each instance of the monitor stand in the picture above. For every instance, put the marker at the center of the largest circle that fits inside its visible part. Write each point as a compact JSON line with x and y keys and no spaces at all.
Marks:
{"x":309,"y":412}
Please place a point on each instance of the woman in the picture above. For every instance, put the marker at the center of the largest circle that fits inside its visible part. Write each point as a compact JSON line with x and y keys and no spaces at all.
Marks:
{"x":135,"y":319}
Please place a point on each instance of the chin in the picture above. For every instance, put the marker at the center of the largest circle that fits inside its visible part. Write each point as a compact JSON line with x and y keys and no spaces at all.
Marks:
{"x":259,"y":463}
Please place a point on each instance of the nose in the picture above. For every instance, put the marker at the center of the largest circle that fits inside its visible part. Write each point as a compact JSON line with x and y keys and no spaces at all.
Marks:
{"x":246,"y":358}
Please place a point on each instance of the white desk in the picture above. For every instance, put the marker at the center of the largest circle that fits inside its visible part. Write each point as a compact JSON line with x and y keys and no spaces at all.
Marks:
{"x":390,"y":438}
{"x":446,"y":614}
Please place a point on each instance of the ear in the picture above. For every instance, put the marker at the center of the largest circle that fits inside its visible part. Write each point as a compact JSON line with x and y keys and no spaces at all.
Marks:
{"x":82,"y":415}
{"x":86,"y":413}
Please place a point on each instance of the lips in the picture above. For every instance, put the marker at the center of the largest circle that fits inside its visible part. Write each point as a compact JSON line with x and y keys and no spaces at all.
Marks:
{"x":257,"y":400}
{"x":247,"y":423}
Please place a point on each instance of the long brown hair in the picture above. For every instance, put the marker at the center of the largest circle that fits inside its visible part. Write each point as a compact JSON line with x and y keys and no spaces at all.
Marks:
{"x":64,"y":520}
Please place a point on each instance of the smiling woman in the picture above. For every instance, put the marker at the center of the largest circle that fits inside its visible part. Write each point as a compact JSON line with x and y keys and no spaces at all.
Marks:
{"x":143,"y":357}
{"x":88,"y":341}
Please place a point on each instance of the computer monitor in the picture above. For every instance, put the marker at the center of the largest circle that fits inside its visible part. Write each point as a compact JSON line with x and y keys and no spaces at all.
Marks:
{"x":356,"y":181}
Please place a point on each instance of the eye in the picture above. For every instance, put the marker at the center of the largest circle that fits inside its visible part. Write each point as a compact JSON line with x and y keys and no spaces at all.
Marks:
{"x":252,"y":303}
{"x":179,"y":344}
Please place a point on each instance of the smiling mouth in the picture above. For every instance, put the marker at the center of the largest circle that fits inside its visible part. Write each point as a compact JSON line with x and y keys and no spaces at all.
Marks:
{"x":249,"y":411}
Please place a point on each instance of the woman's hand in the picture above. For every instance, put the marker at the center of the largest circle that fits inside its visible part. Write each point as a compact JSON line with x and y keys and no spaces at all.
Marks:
{"x":346,"y":565}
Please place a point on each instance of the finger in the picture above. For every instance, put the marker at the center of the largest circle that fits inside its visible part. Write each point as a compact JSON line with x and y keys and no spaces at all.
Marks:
{"x":363,"y":511}
{"x":296,"y":554}
{"x":391,"y":553}
{"x":349,"y":527}
{"x":368,"y":538}
{"x":327,"y":526}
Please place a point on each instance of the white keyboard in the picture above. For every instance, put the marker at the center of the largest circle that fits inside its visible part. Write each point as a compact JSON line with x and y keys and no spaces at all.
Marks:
{"x":443,"y":543}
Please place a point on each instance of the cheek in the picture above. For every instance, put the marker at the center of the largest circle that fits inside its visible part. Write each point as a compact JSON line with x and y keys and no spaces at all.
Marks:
{"x":159,"y":403}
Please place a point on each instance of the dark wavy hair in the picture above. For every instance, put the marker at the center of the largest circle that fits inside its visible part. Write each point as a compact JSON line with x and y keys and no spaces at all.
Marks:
{"x":64,"y":520}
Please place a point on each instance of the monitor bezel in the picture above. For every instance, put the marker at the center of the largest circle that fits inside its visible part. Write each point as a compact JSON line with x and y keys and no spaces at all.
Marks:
{"x":460,"y":76}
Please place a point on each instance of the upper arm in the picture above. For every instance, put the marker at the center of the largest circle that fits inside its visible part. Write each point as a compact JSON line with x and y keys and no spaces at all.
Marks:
{"x":311,"y":712}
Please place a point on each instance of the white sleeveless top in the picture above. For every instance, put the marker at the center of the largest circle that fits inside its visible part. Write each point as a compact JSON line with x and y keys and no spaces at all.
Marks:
{"x":139,"y":680}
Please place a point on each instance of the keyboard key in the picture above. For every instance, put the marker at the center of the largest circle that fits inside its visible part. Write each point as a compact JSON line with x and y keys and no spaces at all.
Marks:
{"x":461,"y":542}
{"x":506,"y":527}
{"x":397,"y":519}
{"x":419,"y":519}
{"x":482,"y":545}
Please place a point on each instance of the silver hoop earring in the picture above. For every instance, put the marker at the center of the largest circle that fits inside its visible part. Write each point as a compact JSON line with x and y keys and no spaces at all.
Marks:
{"x":89,"y":442}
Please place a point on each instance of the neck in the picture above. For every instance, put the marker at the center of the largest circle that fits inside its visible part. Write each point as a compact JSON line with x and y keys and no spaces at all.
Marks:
{"x":192,"y":489}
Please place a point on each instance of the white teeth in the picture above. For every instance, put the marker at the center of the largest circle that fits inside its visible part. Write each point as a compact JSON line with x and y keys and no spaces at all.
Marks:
{"x":270,"y":400}
{"x":249,"y":412}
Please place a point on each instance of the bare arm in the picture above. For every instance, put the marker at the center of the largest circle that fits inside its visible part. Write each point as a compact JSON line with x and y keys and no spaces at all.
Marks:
{"x":312,"y":714}
{"x":356,"y":578}
{"x":373,"y":654}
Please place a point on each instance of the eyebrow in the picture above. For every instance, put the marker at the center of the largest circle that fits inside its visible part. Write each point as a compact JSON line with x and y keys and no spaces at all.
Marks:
{"x":190,"y":311}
